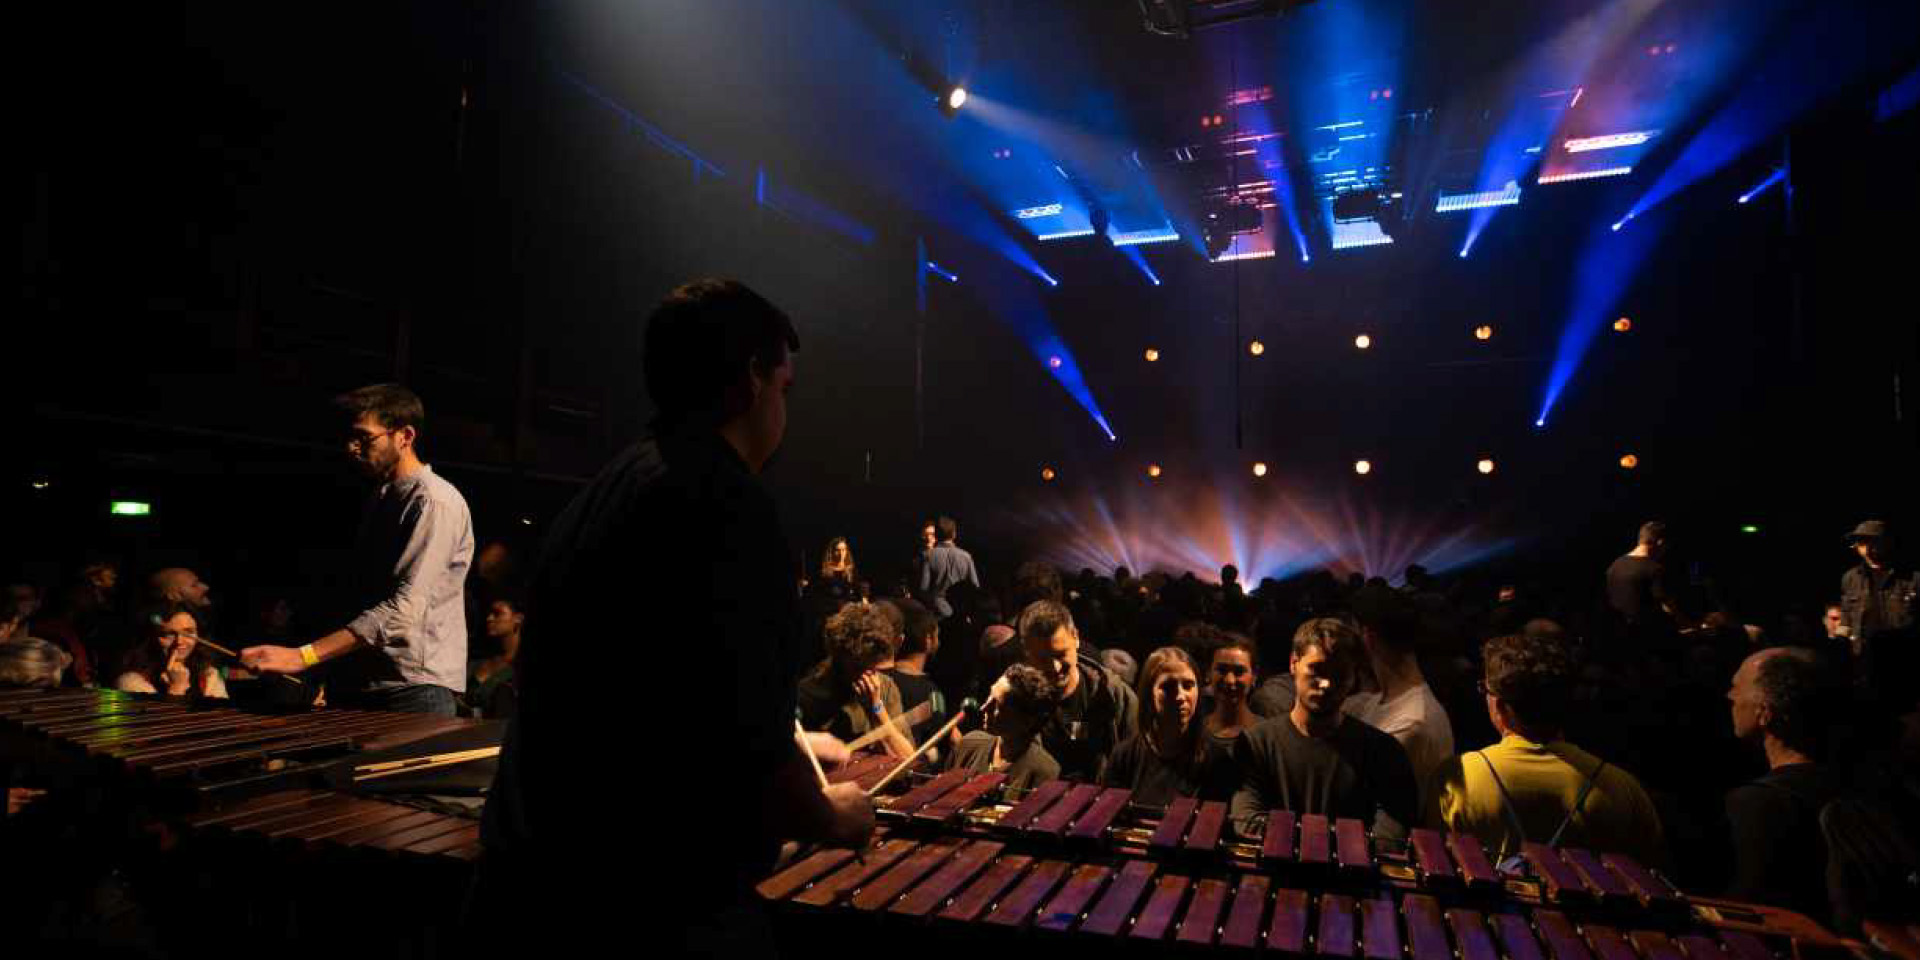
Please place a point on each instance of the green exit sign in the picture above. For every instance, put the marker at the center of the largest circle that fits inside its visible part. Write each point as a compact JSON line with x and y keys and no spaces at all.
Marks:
{"x":130,"y":508}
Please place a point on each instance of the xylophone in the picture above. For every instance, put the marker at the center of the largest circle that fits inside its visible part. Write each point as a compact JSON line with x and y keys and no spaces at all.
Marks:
{"x":264,"y":817}
{"x":1081,"y":865}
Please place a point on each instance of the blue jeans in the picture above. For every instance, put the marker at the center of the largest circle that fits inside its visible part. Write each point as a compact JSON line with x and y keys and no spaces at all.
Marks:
{"x":409,"y":698}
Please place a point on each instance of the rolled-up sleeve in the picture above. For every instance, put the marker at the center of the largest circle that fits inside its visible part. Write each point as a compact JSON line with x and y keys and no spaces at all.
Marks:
{"x":432,"y":538}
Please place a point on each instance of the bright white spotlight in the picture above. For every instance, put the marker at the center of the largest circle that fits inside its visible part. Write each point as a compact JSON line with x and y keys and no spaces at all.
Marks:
{"x":1486,"y":466}
{"x":1362,"y":467}
{"x":957,"y":97}
{"x":1259,"y":469}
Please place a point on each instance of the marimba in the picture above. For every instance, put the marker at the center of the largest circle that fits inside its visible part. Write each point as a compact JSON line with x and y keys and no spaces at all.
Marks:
{"x":1080,"y":864}
{"x":268,"y":816}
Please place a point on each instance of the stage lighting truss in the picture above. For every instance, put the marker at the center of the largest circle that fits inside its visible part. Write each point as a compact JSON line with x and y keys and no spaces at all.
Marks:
{"x":1179,"y":18}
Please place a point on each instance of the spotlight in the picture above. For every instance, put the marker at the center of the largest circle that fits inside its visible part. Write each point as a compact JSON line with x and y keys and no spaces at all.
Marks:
{"x":1362,"y":467}
{"x":1483,"y":332}
{"x":955,"y":98}
{"x":1256,"y":348}
{"x":1622,"y":325}
{"x":1259,"y":469}
{"x":1153,"y":470}
{"x":1047,"y":474}
{"x":1363,"y":342}
{"x":1153,"y":356}
{"x":1053,"y":362}
{"x":42,"y":484}
{"x":1629,"y":461}
{"x":1486,"y":466}
{"x":1749,"y":528}
{"x":1540,"y":422}
{"x":526,"y":521}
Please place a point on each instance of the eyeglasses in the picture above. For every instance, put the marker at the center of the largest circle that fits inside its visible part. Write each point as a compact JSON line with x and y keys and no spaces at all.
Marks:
{"x":361,"y":441}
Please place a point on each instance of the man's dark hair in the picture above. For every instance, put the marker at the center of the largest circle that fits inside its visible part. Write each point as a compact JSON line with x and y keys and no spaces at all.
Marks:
{"x":391,"y":404}
{"x":700,"y":341}
{"x":1796,"y":689}
{"x":1035,"y":580}
{"x":1229,"y":574}
{"x":1042,"y":619}
{"x":890,"y":608}
{"x":858,"y":638}
{"x":1388,"y":616}
{"x":921,"y":625}
{"x":1534,"y":677}
{"x":944,"y":529}
{"x":1653,"y":531}
{"x":1335,"y":639}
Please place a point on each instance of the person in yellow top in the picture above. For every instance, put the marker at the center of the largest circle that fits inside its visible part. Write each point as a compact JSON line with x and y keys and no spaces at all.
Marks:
{"x":1533,"y":785}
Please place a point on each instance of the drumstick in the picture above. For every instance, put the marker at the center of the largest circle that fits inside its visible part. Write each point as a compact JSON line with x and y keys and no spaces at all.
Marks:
{"x":939,"y":735}
{"x":916,"y":715}
{"x":220,"y":649}
{"x":373,"y":770}
{"x":807,"y":745}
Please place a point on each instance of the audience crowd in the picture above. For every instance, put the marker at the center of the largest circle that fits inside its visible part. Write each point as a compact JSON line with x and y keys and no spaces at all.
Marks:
{"x":1777,"y":763}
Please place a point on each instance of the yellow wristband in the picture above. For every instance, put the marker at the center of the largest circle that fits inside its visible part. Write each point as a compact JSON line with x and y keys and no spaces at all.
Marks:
{"x":307,"y":656}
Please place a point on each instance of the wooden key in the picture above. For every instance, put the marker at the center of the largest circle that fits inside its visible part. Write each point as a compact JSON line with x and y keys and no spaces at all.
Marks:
{"x":1426,"y":937}
{"x":926,"y":793}
{"x":1475,"y":868}
{"x":1019,"y":906}
{"x":1288,"y":931}
{"x":1470,"y":933}
{"x":1109,"y":917}
{"x":1430,"y":855}
{"x":1277,"y":846}
{"x":1314,"y":840}
{"x":1092,"y":825}
{"x":1249,"y":908}
{"x":1161,"y":906}
{"x":1562,"y":940}
{"x":1203,"y":914}
{"x":1054,"y":821}
{"x":1205,"y":835}
{"x":1033,"y":804}
{"x":888,"y":887}
{"x":1060,"y":913}
{"x":959,"y":799}
{"x":966,"y":865}
{"x":967,"y":906}
{"x":1608,"y":944}
{"x":1609,"y":885}
{"x":1173,"y":826}
{"x":1700,"y":947}
{"x":1647,"y":885}
{"x":1655,"y":946}
{"x":1516,"y":938}
{"x":829,"y":891}
{"x":1335,"y":938}
{"x":1562,"y":883}
{"x":1380,"y":930}
{"x":1350,"y":847}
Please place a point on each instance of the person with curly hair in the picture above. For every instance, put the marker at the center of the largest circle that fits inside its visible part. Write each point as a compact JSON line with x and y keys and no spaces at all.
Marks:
{"x":848,"y":694}
{"x":171,"y":659}
{"x":1533,"y":785}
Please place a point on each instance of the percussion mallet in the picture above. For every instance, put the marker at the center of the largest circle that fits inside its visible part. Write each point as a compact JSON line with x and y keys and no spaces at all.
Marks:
{"x":220,"y":649}
{"x":966,"y":706}
{"x":800,"y":733}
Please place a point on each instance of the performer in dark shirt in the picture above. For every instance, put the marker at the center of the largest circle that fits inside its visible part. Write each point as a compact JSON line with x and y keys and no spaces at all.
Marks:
{"x":1315,"y":759}
{"x":697,"y":776}
{"x":1171,"y":756}
{"x":1636,"y":588}
{"x":1097,"y":712}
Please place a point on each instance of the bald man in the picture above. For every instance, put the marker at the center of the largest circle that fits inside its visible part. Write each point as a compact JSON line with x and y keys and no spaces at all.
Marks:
{"x":1782,"y":704}
{"x":180,"y":585}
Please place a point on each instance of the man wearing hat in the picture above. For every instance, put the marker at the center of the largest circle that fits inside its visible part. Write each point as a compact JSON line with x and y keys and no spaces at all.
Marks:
{"x":1876,"y":597}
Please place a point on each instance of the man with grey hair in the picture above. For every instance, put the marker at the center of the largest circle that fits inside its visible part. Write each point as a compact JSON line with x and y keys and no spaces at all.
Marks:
{"x":1782,"y":705}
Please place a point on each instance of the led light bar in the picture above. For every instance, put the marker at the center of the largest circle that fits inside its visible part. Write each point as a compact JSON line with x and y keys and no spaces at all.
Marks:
{"x":1250,"y":255}
{"x":1088,"y":232}
{"x":1359,"y":233}
{"x":1584,"y":175}
{"x":1610,"y":141}
{"x":1137,"y":237}
{"x":1505,"y":197}
{"x":1030,"y":213}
